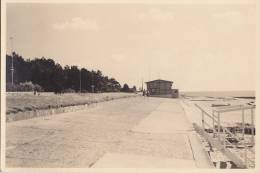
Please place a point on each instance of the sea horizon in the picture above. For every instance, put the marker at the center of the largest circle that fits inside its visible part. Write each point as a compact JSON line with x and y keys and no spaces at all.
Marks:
{"x":234,"y":93}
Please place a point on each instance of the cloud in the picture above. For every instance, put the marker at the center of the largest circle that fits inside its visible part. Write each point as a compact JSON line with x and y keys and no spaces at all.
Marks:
{"x":156,"y":15}
{"x":237,"y":17}
{"x":77,"y":23}
{"x":150,"y":35}
{"x":227,"y":15}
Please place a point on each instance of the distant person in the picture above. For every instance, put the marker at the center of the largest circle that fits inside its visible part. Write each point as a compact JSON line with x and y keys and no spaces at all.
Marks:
{"x":144,"y":92}
{"x":148,"y":93}
{"x":36,"y":91}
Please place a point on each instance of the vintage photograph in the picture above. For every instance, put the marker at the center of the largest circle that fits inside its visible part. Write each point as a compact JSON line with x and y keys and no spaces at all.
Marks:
{"x":129,"y":85}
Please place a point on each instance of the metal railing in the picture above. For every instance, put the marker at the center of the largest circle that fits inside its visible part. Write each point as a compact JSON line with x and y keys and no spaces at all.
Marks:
{"x":222,"y":133}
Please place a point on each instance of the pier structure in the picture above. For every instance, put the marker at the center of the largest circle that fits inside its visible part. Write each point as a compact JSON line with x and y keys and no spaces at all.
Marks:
{"x":237,"y":142}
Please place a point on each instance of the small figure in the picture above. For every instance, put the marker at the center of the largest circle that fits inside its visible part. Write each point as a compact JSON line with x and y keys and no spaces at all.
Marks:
{"x":144,"y":92}
{"x":148,"y":93}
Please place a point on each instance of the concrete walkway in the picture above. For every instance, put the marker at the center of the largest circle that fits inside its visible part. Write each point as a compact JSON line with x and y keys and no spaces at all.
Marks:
{"x":164,"y":139}
{"x":126,"y":133}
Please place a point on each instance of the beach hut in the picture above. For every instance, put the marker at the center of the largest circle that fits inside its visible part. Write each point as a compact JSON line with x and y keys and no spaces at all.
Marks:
{"x":161,"y":88}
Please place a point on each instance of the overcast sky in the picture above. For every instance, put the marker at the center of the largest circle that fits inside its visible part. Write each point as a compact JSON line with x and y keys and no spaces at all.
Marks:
{"x":199,"y":47}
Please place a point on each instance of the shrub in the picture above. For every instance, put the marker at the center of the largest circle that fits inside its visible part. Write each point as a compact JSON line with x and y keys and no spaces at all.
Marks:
{"x":38,"y":88}
{"x":10,"y":87}
{"x":69,"y":90}
{"x":84,"y":91}
{"x":24,"y":86}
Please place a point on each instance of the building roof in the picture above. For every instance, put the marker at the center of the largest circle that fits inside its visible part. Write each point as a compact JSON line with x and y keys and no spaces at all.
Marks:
{"x":160,"y":80}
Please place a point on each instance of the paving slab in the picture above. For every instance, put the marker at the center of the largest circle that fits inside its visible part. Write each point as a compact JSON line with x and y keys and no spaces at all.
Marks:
{"x":117,"y":160}
{"x":169,"y":117}
{"x":175,"y":145}
{"x":164,"y":139}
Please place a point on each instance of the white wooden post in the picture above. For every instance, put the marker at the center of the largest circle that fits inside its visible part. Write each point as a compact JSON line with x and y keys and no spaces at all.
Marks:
{"x":213,"y":123}
{"x":243,"y":124}
{"x":224,"y":138}
{"x":218,"y":126}
{"x":252,"y":127}
{"x":246,"y":156}
{"x":243,"y":133}
{"x":202,"y":121}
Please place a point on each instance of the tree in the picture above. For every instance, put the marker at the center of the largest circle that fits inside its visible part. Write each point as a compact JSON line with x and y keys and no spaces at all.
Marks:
{"x":58,"y":79}
{"x":52,"y":77}
{"x":125,"y":88}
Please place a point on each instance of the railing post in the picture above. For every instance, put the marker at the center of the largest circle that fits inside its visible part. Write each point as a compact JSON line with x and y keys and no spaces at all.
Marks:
{"x":202,"y":120}
{"x":224,"y":138}
{"x":246,"y":156}
{"x":213,"y":123}
{"x":243,"y":124}
{"x":243,"y":133}
{"x":218,"y":126}
{"x":252,"y":127}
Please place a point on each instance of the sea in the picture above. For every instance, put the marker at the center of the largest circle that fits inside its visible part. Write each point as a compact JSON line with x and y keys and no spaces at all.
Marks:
{"x":249,"y":94}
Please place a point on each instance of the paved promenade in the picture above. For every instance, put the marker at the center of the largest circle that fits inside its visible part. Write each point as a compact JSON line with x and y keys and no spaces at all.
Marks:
{"x":136,"y":132}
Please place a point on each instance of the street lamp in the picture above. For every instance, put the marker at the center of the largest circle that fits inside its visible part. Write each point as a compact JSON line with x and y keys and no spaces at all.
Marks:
{"x":92,"y":86}
{"x":12,"y":67}
{"x":80,"y":80}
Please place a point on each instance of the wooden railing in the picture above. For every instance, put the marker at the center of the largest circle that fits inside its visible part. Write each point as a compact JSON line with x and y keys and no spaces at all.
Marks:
{"x":222,"y":132}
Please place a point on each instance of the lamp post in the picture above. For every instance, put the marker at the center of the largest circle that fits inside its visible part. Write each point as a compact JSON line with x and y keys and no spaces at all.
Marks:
{"x":12,"y":66}
{"x":80,"y":80}
{"x":142,"y":85}
{"x":92,"y":86}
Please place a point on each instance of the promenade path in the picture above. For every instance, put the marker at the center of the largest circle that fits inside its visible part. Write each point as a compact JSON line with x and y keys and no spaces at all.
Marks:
{"x":135,"y":132}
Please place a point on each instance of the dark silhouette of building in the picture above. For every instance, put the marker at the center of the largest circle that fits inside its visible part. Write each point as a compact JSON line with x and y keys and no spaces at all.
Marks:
{"x":161,"y":88}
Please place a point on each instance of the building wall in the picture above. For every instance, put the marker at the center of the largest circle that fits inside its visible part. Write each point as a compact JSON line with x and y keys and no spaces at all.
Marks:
{"x":159,"y":87}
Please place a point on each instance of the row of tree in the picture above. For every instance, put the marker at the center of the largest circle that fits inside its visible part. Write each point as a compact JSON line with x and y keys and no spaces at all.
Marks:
{"x":52,"y":77}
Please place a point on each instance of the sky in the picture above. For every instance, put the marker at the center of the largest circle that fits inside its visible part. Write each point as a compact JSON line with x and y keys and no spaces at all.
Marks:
{"x":200,"y":47}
